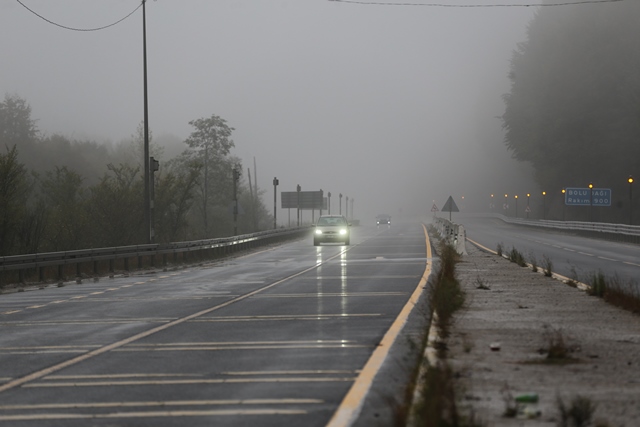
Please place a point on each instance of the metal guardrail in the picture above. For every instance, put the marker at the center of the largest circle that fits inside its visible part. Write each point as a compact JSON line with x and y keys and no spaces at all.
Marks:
{"x":212,"y":247}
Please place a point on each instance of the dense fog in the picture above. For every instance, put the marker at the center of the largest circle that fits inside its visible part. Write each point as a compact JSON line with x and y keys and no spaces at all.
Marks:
{"x":397,"y":107}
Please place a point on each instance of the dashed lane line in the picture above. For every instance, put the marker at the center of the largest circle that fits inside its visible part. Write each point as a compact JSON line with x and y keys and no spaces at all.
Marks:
{"x":23,"y":381}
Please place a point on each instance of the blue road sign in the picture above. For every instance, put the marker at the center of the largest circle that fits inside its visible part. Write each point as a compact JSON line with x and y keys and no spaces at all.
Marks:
{"x":587,"y":197}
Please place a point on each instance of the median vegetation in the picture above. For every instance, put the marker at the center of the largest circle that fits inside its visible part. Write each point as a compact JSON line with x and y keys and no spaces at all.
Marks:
{"x":614,"y":290}
{"x":437,"y":402}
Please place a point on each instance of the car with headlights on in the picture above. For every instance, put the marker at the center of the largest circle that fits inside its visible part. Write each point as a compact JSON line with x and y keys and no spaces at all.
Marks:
{"x":332,"y":229}
{"x":383,"y":219}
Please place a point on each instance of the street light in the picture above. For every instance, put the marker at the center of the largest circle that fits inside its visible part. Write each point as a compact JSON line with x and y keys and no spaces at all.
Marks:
{"x":528,"y":208}
{"x":329,"y":202}
{"x":590,"y":202}
{"x":564,"y":202}
{"x":275,"y":192}
{"x":544,"y":205}
{"x":340,"y":211}
{"x":491,"y":205}
{"x":630,"y":181}
{"x":147,"y":196}
{"x":516,"y":197}
{"x":506,"y":204}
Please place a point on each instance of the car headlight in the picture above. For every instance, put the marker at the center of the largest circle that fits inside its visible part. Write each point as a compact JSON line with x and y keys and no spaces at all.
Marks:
{"x":318,"y":231}
{"x":343,"y":231}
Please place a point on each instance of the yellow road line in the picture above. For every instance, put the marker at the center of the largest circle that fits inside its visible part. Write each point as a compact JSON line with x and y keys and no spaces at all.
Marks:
{"x":154,"y":414}
{"x":352,"y":402}
{"x":54,"y":384}
{"x":77,"y":405}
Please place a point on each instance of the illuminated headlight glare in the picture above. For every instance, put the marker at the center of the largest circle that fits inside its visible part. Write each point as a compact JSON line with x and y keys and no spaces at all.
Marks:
{"x":343,"y":231}
{"x":318,"y":231}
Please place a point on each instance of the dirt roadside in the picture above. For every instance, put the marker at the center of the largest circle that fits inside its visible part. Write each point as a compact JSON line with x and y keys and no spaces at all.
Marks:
{"x":524,"y":312}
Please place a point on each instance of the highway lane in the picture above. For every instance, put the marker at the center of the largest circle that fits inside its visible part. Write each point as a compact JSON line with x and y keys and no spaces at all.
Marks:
{"x":275,"y":337}
{"x":572,"y":256}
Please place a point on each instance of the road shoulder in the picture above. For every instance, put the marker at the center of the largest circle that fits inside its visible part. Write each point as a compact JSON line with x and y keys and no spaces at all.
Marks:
{"x":522,"y":312}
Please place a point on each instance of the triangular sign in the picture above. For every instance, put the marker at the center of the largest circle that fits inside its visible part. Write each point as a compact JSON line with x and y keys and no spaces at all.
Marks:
{"x":450,"y":206}
{"x":434,"y":208}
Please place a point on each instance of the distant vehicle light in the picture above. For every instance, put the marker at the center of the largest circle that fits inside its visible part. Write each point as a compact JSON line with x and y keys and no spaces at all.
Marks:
{"x":318,"y":231}
{"x":343,"y":231}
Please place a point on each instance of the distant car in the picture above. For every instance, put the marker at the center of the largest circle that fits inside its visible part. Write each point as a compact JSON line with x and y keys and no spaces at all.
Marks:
{"x":332,"y":229}
{"x":383,"y":220}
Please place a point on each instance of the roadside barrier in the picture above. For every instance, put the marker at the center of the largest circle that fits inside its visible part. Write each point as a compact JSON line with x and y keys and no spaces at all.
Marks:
{"x":93,"y":262}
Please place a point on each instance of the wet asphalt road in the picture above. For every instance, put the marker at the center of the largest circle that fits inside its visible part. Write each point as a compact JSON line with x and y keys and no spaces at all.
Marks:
{"x":575,"y":257}
{"x":276,"y":337}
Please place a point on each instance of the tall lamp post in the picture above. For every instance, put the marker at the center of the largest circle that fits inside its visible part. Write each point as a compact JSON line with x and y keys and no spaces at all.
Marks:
{"x":528,"y":208}
{"x":329,"y":202}
{"x":147,"y":179}
{"x":275,"y":192}
{"x":491,"y":205}
{"x":340,"y":211}
{"x":516,"y":197}
{"x":564,"y":202}
{"x":544,"y":205}
{"x":630,"y":181}
{"x":590,"y":202}
{"x":506,"y":205}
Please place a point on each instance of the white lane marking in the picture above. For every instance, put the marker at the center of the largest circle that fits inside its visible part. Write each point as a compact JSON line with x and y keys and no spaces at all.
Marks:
{"x":631,"y":263}
{"x":585,"y":253}
{"x":607,"y":259}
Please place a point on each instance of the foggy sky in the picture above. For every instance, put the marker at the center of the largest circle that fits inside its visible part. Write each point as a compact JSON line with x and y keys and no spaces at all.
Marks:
{"x":393,"y":106}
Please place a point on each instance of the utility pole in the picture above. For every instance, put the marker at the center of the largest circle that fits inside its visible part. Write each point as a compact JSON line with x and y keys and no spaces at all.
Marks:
{"x":147,"y":196}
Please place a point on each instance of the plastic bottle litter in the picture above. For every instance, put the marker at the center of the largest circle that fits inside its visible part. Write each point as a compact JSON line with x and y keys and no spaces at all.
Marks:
{"x":527,"y":398}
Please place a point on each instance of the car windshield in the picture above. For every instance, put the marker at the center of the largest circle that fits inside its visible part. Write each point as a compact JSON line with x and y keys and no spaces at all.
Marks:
{"x":331,"y":221}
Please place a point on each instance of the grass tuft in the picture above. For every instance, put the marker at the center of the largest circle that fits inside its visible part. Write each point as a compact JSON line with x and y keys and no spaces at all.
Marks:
{"x":517,"y":257}
{"x":577,"y":414}
{"x":547,"y":266}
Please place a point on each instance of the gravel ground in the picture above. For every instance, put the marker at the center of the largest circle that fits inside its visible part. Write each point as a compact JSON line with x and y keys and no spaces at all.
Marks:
{"x":520,"y":311}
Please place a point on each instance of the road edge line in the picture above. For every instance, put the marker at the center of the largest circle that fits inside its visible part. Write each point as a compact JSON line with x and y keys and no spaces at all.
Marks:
{"x":351,"y":404}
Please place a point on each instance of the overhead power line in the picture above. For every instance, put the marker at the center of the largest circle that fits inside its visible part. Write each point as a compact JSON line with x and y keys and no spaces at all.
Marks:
{"x":567,"y":3}
{"x":79,"y":29}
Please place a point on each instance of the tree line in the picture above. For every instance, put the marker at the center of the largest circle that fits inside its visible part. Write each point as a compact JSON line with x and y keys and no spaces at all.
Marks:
{"x":573,"y":110}
{"x":59,"y":194}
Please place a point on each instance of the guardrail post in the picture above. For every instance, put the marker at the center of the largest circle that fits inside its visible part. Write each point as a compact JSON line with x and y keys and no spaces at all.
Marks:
{"x":95,"y":268}
{"x":41,"y":274}
{"x":126,"y":263}
{"x":111,"y":265}
{"x":78,"y":269}
{"x":139,"y":261}
{"x":60,"y":272}
{"x":21,"y":275}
